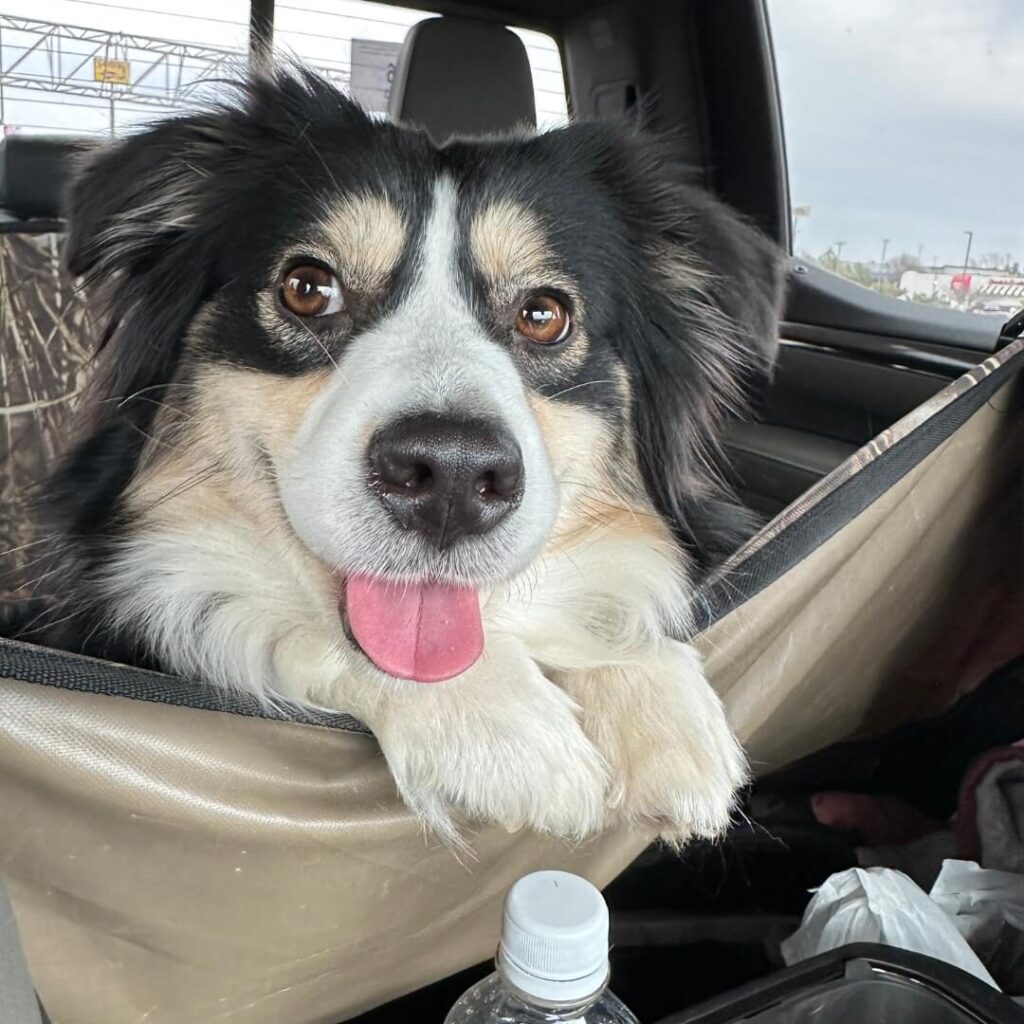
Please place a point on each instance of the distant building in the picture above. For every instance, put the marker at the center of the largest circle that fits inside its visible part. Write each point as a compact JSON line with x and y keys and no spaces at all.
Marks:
{"x":952,"y":284}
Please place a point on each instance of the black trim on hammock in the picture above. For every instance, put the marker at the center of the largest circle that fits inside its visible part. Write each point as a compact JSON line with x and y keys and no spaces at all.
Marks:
{"x":717,"y":598}
{"x":32,"y":664}
{"x":722,"y":594}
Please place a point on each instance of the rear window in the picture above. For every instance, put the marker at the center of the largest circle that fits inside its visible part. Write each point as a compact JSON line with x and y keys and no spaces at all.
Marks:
{"x":92,"y":67}
{"x":87,"y":66}
{"x":357,"y":44}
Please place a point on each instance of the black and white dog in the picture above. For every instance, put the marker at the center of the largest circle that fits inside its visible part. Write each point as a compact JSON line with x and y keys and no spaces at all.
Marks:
{"x":373,"y":414}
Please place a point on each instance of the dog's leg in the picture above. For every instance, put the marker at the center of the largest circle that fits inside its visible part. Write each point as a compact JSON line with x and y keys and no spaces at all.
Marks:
{"x":674,"y":761}
{"x":500,"y":742}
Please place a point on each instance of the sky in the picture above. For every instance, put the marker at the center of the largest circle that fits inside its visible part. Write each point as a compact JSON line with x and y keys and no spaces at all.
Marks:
{"x":904,"y":119}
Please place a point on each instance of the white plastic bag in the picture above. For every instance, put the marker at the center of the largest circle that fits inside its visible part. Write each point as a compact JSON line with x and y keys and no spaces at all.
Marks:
{"x":979,"y":900}
{"x":880,"y":905}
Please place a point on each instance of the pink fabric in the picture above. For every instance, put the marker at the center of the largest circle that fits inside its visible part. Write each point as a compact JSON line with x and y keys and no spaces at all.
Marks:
{"x":878,"y":820}
{"x":966,"y":824}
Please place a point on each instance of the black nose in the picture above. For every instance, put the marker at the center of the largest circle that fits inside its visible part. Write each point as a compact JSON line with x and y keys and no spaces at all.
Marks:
{"x":446,"y":478}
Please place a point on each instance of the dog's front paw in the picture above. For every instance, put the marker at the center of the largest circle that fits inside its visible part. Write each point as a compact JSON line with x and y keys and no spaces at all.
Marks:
{"x":501,"y":744}
{"x":676,"y":765}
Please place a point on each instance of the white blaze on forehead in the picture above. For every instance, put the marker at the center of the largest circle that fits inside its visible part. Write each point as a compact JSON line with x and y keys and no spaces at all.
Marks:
{"x":441,"y":236}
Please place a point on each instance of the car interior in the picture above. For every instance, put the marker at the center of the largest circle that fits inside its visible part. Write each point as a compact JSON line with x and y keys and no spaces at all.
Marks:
{"x":851,"y":364}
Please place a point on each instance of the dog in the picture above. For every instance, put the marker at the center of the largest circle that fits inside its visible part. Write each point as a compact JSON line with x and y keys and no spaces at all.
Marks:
{"x":423,"y":434}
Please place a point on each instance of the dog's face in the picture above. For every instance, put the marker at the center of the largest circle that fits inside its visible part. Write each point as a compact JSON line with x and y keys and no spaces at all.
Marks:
{"x":437,"y":363}
{"x":416,"y":321}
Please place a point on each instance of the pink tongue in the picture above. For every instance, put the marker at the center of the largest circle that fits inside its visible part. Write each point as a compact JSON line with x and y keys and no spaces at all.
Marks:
{"x":422,"y":631}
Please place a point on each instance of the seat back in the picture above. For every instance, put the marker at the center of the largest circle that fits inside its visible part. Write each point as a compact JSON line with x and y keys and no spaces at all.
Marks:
{"x":459,"y":76}
{"x":33,"y":172}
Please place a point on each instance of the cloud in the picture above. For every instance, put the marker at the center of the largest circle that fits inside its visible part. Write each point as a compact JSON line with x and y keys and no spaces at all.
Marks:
{"x":903,"y":121}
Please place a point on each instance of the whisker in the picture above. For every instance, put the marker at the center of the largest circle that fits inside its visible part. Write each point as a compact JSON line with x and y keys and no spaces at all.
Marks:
{"x":36,"y":580}
{"x":17,"y":569}
{"x":123,"y":399}
{"x":155,"y":440}
{"x":316,"y":152}
{"x":323,"y":347}
{"x":30,"y":544}
{"x":183,"y":487}
{"x":52,"y":623}
{"x":160,"y":405}
{"x":586,"y":383}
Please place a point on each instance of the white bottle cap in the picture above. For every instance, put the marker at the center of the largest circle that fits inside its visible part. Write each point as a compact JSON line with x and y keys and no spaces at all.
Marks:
{"x":554,"y":938}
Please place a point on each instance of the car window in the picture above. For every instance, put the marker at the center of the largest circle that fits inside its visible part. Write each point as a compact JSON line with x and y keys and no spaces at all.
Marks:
{"x":92,"y":67}
{"x":902,"y":125}
{"x":101,"y":66}
{"x":357,"y":43}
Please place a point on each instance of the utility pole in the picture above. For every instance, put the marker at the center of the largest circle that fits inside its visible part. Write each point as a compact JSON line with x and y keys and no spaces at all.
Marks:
{"x":261,"y":35}
{"x":799,"y":213}
{"x":839,"y":253}
{"x":885,"y":245}
{"x":967,"y":255}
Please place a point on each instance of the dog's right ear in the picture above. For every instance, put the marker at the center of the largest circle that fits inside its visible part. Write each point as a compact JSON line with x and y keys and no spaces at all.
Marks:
{"x":129,"y":200}
{"x":142,"y":235}
{"x":136,"y":233}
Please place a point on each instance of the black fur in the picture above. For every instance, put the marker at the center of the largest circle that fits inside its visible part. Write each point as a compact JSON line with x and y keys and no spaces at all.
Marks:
{"x":678,"y":289}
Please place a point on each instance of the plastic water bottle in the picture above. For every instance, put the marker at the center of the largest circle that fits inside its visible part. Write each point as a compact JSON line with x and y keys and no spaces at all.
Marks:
{"x":552,"y":962}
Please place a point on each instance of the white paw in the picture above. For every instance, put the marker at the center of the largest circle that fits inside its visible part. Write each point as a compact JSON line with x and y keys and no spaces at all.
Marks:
{"x":675,"y":763}
{"x":501,"y":744}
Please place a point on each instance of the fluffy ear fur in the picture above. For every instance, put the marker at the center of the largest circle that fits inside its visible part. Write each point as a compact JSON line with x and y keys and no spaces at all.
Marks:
{"x":704,"y":332}
{"x":131,"y":239}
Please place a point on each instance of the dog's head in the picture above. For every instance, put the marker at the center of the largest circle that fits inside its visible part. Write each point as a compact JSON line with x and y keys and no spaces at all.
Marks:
{"x":434,"y":361}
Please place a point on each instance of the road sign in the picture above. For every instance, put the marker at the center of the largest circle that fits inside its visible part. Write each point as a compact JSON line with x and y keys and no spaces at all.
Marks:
{"x":373,"y":71}
{"x":117,"y":72}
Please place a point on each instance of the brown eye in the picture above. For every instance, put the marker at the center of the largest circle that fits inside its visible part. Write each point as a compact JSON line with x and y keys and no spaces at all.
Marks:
{"x":309,"y":290}
{"x":544,"y":320}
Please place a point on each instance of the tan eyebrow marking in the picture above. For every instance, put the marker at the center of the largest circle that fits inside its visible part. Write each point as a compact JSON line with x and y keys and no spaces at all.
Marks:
{"x":369,"y":235}
{"x":509,"y":245}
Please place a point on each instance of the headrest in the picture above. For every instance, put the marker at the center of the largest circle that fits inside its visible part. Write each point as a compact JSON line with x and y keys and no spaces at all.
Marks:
{"x":457,"y":76}
{"x":33,"y":171}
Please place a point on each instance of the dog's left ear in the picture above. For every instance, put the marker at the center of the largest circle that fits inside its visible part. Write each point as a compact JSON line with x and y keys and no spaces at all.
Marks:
{"x":702,"y":334}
